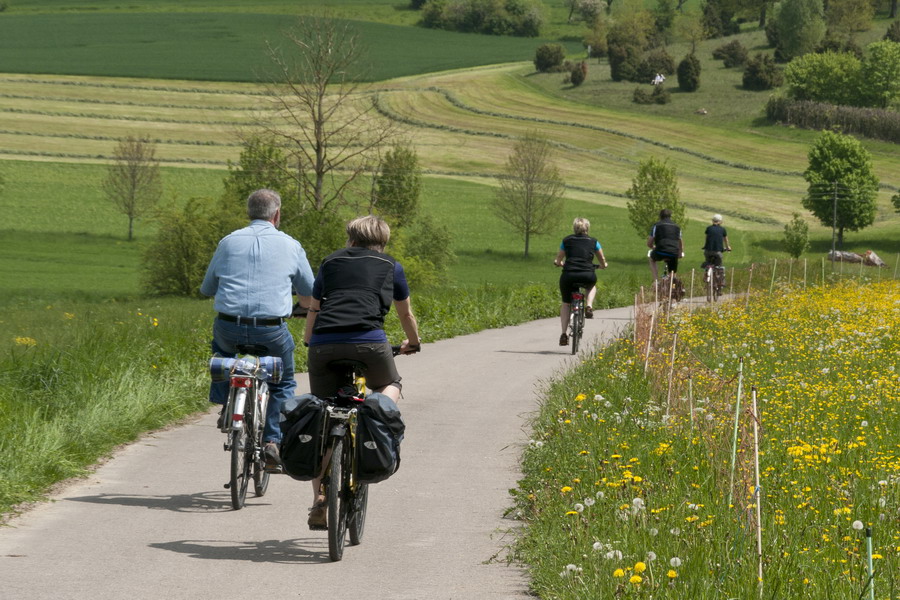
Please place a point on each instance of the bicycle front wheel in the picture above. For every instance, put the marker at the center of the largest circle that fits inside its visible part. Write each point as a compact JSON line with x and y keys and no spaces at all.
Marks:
{"x":240,"y":467}
{"x":357,"y":518}
{"x":337,"y":502}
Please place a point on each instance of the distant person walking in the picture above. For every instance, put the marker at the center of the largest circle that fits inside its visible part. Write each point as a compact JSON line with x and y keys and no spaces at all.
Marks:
{"x":716,"y":242}
{"x":251,"y":275}
{"x":665,"y":243}
{"x":576,"y":257}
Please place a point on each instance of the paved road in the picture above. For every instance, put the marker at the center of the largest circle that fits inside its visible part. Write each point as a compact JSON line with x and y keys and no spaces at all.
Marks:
{"x":155,"y":521}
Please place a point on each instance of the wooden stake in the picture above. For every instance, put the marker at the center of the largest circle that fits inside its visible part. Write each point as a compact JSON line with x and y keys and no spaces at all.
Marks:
{"x":649,"y":340}
{"x":671,"y":374}
{"x":774,"y":269}
{"x":734,"y":439}
{"x":758,"y":492}
{"x":691,"y":297}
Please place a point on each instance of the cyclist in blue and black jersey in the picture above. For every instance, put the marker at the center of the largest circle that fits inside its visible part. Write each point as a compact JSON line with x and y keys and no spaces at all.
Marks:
{"x":353,"y":291}
{"x":665,"y":243}
{"x":576,"y":257}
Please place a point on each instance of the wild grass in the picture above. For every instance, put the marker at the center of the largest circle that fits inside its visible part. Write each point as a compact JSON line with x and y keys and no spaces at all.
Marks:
{"x":627,"y":488}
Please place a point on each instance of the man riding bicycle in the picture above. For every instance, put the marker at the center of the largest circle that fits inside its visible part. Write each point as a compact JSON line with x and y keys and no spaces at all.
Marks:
{"x":352,"y":293}
{"x":716,"y":242}
{"x":251,"y":275}
{"x":576,"y":257}
{"x":665,"y":243}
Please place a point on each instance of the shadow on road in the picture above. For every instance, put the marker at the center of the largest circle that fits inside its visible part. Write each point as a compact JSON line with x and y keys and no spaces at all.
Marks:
{"x":531,"y":351}
{"x":298,"y":551}
{"x":200,"y":502}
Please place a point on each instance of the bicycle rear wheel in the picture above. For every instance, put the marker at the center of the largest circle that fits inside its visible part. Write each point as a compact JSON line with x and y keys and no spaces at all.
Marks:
{"x":357,"y":518}
{"x":241,"y":457}
{"x":337,"y":502}
{"x":710,"y":284}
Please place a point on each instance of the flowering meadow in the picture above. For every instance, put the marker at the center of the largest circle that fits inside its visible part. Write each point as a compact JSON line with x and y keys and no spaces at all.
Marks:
{"x":640,"y":479}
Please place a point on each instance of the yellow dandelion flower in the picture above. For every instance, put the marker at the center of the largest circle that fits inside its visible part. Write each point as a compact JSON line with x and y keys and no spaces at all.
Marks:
{"x":68,"y":315}
{"x":636,"y":579}
{"x":618,"y":573}
{"x":672,"y":574}
{"x":25,"y":341}
{"x":571,"y":512}
{"x":640,"y":567}
{"x":565,"y":489}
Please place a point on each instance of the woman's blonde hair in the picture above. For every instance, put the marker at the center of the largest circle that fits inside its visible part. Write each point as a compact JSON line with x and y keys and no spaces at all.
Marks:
{"x":368,"y":232}
{"x":581,"y":226}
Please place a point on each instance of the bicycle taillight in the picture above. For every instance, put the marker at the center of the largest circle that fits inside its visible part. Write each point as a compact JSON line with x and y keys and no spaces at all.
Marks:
{"x":577,"y":296}
{"x":241,"y":382}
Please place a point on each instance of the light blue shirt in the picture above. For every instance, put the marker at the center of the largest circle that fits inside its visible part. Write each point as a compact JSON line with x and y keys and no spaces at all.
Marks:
{"x":253,"y":270}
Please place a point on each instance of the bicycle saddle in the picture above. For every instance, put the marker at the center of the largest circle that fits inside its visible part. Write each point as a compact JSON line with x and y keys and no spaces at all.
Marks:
{"x":253,"y":349}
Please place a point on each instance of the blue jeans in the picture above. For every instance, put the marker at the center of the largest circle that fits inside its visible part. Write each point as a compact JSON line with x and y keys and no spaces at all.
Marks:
{"x":277,"y":338}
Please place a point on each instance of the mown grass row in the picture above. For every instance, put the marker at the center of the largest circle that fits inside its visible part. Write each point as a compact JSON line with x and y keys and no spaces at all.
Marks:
{"x":630,"y":491}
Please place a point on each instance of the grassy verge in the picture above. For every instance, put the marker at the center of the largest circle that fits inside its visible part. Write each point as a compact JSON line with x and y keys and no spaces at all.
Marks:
{"x":626,"y":489}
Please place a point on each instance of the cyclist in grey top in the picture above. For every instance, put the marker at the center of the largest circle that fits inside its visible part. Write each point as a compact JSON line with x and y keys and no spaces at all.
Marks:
{"x":251,"y":275}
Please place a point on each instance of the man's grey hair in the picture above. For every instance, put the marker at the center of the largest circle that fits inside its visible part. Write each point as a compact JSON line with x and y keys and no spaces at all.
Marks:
{"x":262,"y":204}
{"x":717,"y":218}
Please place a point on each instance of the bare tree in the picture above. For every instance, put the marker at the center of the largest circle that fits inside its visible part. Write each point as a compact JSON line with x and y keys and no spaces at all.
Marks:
{"x":133,"y":181}
{"x":530,"y":197}
{"x":325,"y":124}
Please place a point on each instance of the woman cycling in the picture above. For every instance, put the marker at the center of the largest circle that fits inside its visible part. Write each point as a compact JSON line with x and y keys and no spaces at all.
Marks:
{"x":576,"y":257}
{"x":351,"y":295}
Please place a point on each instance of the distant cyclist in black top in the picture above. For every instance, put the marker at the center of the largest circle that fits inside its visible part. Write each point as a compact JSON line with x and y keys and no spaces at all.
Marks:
{"x":716,"y":242}
{"x":665,"y":243}
{"x":576,"y":257}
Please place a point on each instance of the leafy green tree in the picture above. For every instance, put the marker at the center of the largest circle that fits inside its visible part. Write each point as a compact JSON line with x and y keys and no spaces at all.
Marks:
{"x":831,"y":77}
{"x":796,"y":236}
{"x":845,"y":17}
{"x":689,"y":27}
{"x":881,"y":73}
{"x":654,"y":188}
{"x":133,"y":184}
{"x":262,"y":164}
{"x":399,"y":185}
{"x":530,"y":198}
{"x":842,"y":183}
{"x":895,"y":200}
{"x":801,"y":26}
{"x":893,"y":32}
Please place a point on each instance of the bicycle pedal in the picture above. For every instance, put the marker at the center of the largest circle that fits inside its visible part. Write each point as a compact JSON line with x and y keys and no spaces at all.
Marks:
{"x":274,"y":469}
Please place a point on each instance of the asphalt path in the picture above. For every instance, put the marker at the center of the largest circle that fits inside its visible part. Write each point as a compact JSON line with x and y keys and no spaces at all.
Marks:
{"x":155,"y":521}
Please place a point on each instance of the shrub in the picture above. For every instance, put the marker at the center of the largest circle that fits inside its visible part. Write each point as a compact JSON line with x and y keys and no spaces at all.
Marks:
{"x":796,"y":236}
{"x":433,"y":13}
{"x":548,"y":56}
{"x":661,"y":95}
{"x":416,"y":4}
{"x":510,"y":17}
{"x":689,"y":74}
{"x":772,"y":30}
{"x":733,"y":54}
{"x":833,"y":45}
{"x":870,"y":122}
{"x":718,"y":20}
{"x":624,"y":62}
{"x":641,"y":96}
{"x":893,"y":32}
{"x":578,"y":74}
{"x":656,"y":61}
{"x":762,"y":74}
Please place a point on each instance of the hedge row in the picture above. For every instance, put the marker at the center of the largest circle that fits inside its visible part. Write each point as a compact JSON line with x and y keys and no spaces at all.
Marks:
{"x":137,"y":104}
{"x":111,"y":138}
{"x":125,"y":86}
{"x":870,"y":122}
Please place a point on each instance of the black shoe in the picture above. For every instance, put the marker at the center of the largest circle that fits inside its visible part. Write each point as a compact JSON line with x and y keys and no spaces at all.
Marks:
{"x":220,"y":422}
{"x":563,"y":340}
{"x":273,"y":458}
{"x":588,"y":312}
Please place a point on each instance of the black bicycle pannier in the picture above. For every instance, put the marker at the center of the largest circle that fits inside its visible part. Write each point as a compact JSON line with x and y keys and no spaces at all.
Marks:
{"x":302,"y":424}
{"x":379,"y":433}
